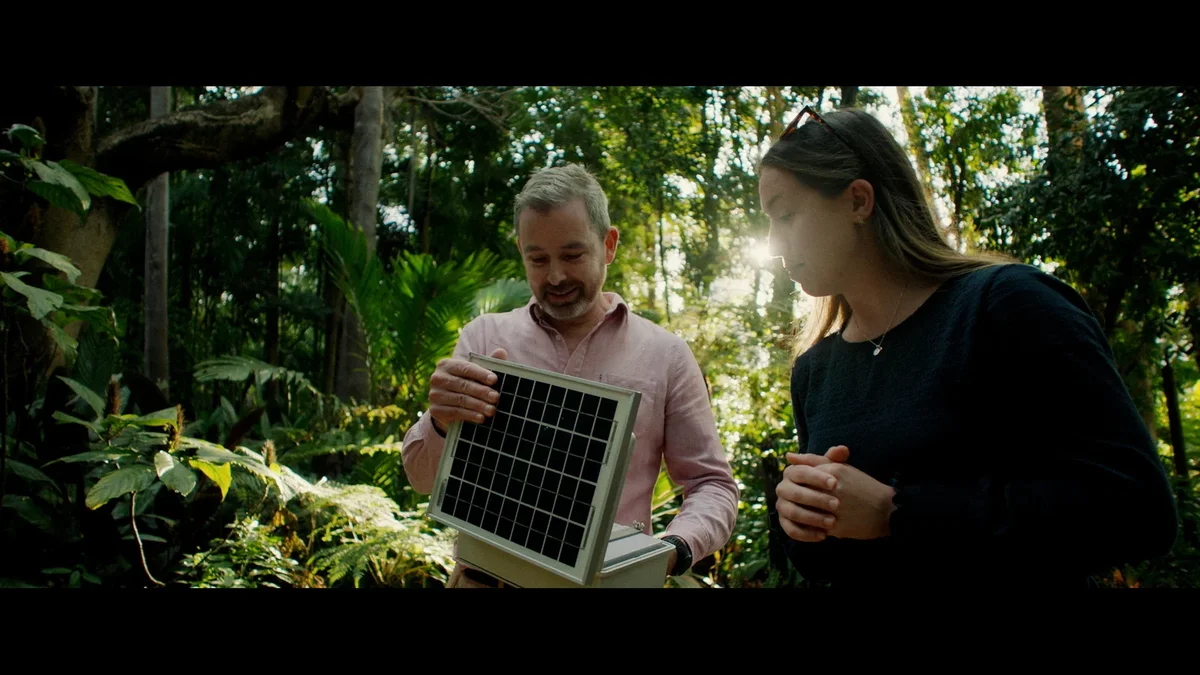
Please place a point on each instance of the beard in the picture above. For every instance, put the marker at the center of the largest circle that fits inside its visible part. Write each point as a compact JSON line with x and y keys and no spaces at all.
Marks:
{"x":571,"y":310}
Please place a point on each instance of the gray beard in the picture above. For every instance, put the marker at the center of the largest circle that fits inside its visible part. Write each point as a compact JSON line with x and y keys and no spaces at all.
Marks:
{"x":567,"y":313}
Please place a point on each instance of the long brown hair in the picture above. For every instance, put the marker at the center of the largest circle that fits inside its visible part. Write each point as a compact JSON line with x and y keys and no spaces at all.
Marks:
{"x":903,"y":223}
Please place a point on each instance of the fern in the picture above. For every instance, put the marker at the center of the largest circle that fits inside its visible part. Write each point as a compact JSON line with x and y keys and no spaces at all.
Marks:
{"x":241,"y":368}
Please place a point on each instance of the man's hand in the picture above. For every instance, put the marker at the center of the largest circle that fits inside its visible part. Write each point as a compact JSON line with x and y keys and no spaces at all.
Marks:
{"x":460,"y":390}
{"x":824,"y":496}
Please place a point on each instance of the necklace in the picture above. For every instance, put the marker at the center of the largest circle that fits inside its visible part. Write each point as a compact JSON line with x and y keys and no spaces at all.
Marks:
{"x":879,"y":345}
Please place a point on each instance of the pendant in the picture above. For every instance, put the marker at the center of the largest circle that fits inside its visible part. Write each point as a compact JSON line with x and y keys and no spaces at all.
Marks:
{"x":878,"y":349}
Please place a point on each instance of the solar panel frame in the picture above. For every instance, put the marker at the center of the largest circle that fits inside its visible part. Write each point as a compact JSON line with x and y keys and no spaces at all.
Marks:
{"x":462,"y":456}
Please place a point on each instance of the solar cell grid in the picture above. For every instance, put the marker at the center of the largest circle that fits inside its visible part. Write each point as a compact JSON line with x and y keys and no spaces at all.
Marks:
{"x":529,"y":473}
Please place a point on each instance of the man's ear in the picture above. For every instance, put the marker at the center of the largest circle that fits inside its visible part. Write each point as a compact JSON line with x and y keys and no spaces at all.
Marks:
{"x":610,"y":245}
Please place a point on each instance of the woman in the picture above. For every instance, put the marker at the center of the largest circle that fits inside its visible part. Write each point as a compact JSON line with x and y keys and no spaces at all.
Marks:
{"x":961,"y":419}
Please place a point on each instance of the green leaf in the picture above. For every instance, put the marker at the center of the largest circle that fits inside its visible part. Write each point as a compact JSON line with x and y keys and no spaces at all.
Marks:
{"x":30,"y":512}
{"x":58,"y":195}
{"x":41,"y":302}
{"x":166,"y":417}
{"x":93,"y":399}
{"x":56,"y":260}
{"x":210,"y":452}
{"x":74,"y":582}
{"x":173,"y":474}
{"x":56,"y":570}
{"x":147,"y":537}
{"x":99,"y":184}
{"x":10,"y":157}
{"x":97,"y":358}
{"x":54,"y":174}
{"x":67,"y":343}
{"x":93,"y":456}
{"x":119,"y":482}
{"x":221,"y":474}
{"x":25,"y":135}
{"x":64,"y":418}
{"x":91,"y":578}
{"x":28,"y":472}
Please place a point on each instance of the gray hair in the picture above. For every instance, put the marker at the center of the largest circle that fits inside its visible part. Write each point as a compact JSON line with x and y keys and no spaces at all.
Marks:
{"x":557,"y":185}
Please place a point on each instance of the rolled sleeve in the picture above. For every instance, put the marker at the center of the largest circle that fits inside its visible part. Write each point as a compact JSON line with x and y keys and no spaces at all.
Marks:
{"x":423,"y":444}
{"x":695,"y":460}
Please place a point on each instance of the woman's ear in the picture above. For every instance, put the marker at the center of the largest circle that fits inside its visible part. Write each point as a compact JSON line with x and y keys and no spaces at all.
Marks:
{"x":862,"y":200}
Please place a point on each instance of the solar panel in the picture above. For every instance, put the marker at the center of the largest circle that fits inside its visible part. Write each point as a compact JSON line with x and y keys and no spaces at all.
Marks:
{"x":542,"y":477}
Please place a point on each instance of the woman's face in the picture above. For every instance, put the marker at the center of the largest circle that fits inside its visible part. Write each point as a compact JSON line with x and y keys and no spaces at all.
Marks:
{"x":816,"y":236}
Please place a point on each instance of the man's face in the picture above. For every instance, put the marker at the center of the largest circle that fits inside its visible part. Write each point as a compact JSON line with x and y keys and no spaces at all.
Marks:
{"x":565,"y":260}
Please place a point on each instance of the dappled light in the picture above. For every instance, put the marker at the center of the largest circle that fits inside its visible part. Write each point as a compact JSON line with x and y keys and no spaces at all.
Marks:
{"x":326,"y":246}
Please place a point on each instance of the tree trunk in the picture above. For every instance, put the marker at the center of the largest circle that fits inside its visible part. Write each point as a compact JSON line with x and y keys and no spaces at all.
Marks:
{"x":712,"y":143}
{"x":1178,"y":447}
{"x":781,"y":310}
{"x":1192,"y":317}
{"x":354,"y":377}
{"x":157,"y":360}
{"x":271,"y":339}
{"x":916,"y":145}
{"x":849,"y":97}
{"x":201,"y":137}
{"x":1063,"y":108}
{"x":333,"y":297}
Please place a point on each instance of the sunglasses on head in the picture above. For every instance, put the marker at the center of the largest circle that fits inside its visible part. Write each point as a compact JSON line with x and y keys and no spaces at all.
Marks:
{"x":808,"y":110}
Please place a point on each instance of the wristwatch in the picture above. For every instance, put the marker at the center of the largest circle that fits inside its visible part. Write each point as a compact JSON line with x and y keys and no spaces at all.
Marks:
{"x":683,"y":554}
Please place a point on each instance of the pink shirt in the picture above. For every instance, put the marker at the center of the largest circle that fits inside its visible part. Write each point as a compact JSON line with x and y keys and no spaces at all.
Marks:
{"x":674,"y":421}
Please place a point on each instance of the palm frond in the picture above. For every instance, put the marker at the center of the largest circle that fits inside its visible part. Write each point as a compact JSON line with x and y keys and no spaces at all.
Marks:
{"x":501,"y":295}
{"x":240,"y":368}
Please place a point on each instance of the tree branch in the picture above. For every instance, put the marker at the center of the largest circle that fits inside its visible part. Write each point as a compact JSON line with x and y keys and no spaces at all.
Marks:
{"x":138,"y":537}
{"x":208,"y":136}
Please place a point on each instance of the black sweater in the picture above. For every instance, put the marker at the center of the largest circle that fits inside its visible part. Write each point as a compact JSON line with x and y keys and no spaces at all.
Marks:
{"x":997,"y":413}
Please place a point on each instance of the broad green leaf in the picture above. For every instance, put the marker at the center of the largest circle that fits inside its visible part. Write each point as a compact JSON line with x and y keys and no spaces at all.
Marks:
{"x":54,"y":174}
{"x":69,"y":291}
{"x":25,"y":135}
{"x":58,"y":195}
{"x":40,"y":302}
{"x":28,"y":472}
{"x":97,"y":358}
{"x":99,"y":184}
{"x":91,"y":578}
{"x":64,"y":418}
{"x":80,"y":309}
{"x":221,"y":474}
{"x":119,"y":482}
{"x":30,"y":512}
{"x":147,"y":537}
{"x":215,"y":453}
{"x":93,"y":456}
{"x":173,"y":474}
{"x":9,"y":157}
{"x":74,"y":582}
{"x":139,"y":439}
{"x":67,"y":343}
{"x":164,"y":417}
{"x":93,"y":399}
{"x":56,"y":260}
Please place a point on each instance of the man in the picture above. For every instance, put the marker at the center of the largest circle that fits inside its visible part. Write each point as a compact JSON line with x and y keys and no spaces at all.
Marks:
{"x":572,"y":326}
